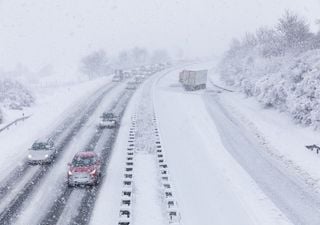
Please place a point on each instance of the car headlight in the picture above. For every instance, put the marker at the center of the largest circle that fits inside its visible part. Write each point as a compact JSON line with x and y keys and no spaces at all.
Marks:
{"x":29,"y":156}
{"x":46,"y":156}
{"x":69,"y":173}
{"x":93,"y":172}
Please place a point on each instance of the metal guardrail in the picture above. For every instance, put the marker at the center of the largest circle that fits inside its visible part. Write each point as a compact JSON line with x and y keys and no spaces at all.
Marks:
{"x":222,"y":88}
{"x":14,"y":123}
{"x":313,"y":147}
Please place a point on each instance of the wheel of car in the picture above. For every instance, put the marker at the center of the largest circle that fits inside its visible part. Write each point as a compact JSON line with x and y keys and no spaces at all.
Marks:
{"x":98,"y":180}
{"x":70,"y":184}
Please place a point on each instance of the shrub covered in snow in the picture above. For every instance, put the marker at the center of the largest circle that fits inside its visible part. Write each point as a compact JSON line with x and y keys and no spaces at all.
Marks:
{"x":14,"y":95}
{"x":279,"y":67}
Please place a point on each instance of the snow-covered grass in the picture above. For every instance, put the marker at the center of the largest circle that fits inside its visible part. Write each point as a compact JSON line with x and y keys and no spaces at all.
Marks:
{"x":53,"y":105}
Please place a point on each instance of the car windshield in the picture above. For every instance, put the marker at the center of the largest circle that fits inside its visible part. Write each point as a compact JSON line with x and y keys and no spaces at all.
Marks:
{"x":83,"y":161}
{"x":40,"y":146}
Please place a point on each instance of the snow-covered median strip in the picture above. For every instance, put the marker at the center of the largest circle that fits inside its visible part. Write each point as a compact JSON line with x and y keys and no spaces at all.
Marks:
{"x":154,"y":199}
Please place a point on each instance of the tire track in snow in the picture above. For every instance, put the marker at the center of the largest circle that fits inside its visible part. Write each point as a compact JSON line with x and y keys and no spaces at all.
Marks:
{"x":14,"y":176}
{"x":88,"y":195}
{"x":88,"y":202}
{"x":10,"y":213}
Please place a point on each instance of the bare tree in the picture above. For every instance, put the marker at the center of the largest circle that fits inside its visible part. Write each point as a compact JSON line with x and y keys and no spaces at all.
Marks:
{"x":250,"y":40}
{"x":159,"y":56}
{"x":95,"y":64}
{"x":295,"y":32}
{"x":235,"y":46}
{"x":269,"y":42}
{"x":140,"y":55}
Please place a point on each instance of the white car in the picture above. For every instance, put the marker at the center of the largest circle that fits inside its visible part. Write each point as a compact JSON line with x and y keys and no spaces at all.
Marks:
{"x":42,"y":151}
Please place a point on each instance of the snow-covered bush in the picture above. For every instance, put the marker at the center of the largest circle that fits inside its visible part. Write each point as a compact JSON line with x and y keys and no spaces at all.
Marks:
{"x":14,"y":95}
{"x":280,"y":70}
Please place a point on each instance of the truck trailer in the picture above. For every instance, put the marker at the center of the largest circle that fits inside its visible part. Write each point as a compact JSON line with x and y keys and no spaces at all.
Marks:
{"x":193,"y":80}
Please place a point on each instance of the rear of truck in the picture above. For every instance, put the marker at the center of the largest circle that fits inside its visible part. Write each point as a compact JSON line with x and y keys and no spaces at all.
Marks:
{"x":193,"y":80}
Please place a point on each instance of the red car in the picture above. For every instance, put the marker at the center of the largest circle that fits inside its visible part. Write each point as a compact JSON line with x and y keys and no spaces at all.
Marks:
{"x":85,"y":168}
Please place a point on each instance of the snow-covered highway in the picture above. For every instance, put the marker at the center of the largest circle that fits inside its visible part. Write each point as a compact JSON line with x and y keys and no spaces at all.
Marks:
{"x":159,"y":112}
{"x":178,"y":157}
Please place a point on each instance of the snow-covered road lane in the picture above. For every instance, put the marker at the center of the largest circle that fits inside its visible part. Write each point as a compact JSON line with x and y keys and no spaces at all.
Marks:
{"x":299,"y":204}
{"x":212,"y":188}
{"x":54,"y":182}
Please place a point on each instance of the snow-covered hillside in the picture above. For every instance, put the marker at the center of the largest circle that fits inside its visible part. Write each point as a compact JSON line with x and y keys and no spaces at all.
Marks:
{"x":279,"y":70}
{"x":14,"y":96}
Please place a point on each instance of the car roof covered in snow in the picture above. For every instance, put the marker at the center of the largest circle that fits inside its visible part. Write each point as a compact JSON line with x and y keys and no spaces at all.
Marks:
{"x":86,"y":154}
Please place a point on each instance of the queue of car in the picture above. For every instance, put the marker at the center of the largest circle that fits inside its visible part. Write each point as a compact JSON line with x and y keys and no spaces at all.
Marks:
{"x":85,"y":167}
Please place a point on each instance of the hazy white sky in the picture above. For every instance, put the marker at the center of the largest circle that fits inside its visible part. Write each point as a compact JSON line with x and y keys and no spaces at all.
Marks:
{"x":59,"y":32}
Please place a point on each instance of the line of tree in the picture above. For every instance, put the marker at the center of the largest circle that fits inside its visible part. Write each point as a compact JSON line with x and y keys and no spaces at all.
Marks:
{"x":291,"y":34}
{"x":98,"y":63}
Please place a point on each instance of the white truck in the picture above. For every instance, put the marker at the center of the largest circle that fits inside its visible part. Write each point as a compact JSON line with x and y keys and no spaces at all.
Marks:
{"x":193,"y":80}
